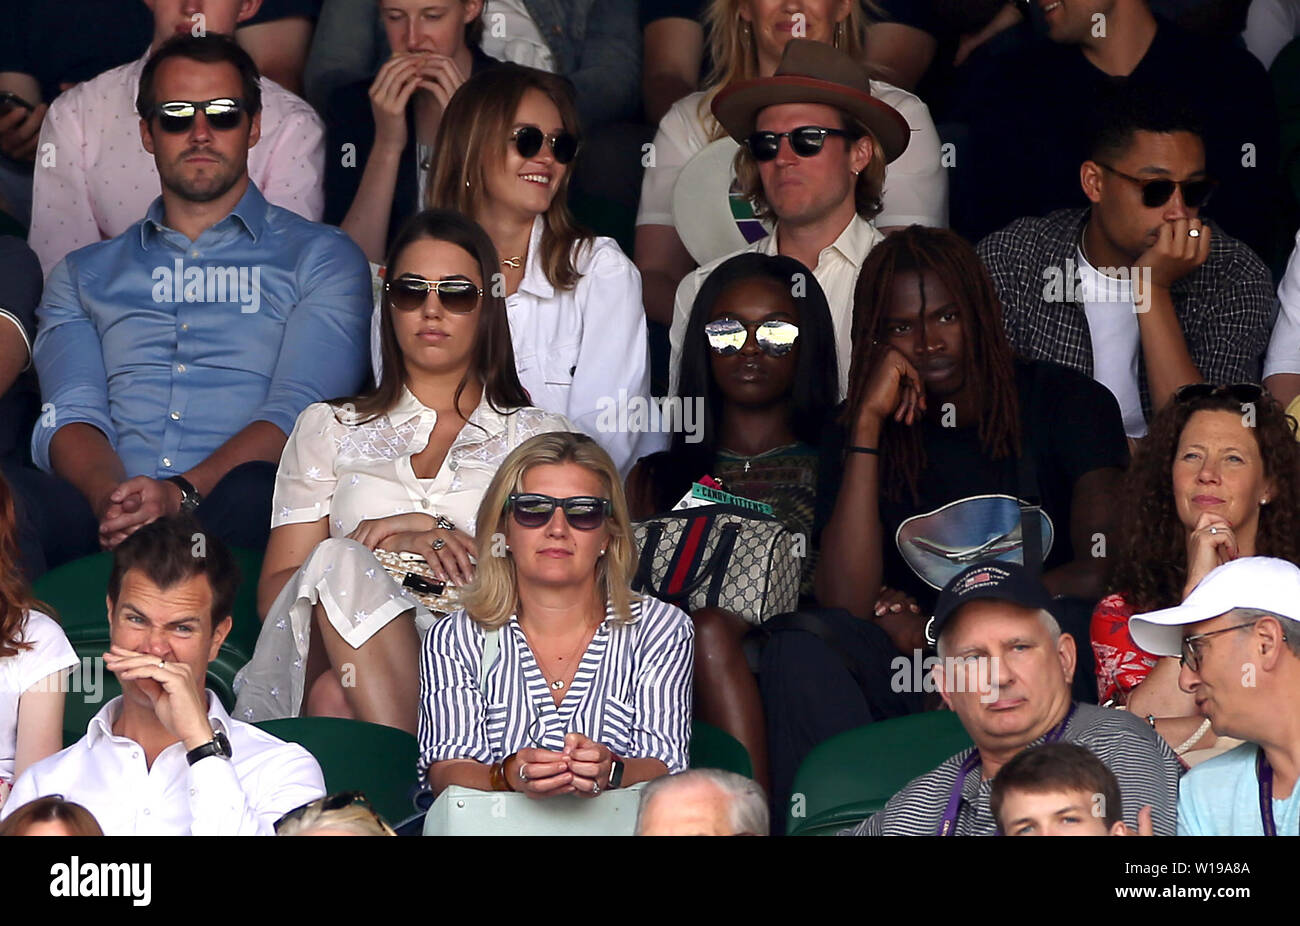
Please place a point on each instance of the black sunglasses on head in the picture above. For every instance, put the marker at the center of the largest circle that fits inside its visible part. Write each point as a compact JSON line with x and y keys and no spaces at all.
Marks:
{"x":528,"y":141}
{"x":805,"y":141}
{"x":583,"y":512}
{"x":1156,"y":192}
{"x":335,"y":802}
{"x":409,"y":292}
{"x":176,"y":116}
{"x":1245,"y":393}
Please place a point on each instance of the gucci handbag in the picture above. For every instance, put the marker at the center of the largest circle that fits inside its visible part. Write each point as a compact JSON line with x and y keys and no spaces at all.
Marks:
{"x":721,"y":556}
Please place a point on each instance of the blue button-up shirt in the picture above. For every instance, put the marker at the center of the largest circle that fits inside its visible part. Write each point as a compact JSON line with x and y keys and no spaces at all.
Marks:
{"x":171,"y":346}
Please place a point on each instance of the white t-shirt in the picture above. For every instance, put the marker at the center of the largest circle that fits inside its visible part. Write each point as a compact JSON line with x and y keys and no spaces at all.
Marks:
{"x":1113,"y":325}
{"x":511,"y":34}
{"x":916,"y":183}
{"x":50,"y":653}
{"x":1270,"y":26}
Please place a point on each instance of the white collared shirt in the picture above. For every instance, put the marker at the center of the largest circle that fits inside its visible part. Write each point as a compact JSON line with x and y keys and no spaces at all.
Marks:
{"x":242,"y":796}
{"x":352,"y":472}
{"x":100,"y":180}
{"x":837,"y":272}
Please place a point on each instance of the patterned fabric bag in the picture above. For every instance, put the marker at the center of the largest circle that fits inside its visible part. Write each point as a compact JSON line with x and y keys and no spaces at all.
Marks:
{"x":721,"y":556}
{"x":412,"y":572}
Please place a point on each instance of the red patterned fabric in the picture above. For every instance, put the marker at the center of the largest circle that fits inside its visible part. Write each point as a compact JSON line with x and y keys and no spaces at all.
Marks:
{"x":1121,"y":663}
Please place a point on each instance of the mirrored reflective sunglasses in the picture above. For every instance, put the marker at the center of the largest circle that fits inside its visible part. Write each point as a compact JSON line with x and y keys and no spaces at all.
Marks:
{"x":528,"y":141}
{"x":1155,"y":193}
{"x":178,"y":115}
{"x":805,"y":141}
{"x":409,"y":292}
{"x":583,"y":512}
{"x":727,"y":336}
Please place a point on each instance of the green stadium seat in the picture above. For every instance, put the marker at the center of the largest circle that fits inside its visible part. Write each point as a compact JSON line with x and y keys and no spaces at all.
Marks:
{"x":714,"y":748}
{"x":850,"y":776}
{"x":356,"y":756}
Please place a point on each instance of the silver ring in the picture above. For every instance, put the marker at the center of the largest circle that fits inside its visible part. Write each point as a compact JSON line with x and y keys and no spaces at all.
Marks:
{"x":1214,"y":530}
{"x":438,"y":543}
{"x":523,"y":776}
{"x":595,"y":787}
{"x":444,"y":522}
{"x":1193,"y":233}
{"x":162,"y":663}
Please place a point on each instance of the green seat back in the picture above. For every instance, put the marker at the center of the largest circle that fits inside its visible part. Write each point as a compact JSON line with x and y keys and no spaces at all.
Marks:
{"x":357,"y":756}
{"x":714,"y":748}
{"x":851,"y":776}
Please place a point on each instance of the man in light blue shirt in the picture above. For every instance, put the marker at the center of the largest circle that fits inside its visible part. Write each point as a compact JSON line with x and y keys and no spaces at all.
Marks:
{"x":175,"y":358}
{"x":1238,"y":634}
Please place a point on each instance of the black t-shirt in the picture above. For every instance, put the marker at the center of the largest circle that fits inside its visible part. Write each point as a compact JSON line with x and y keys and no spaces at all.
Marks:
{"x":650,"y":10}
{"x":68,"y":41}
{"x":283,"y":9}
{"x":20,"y":291}
{"x":1074,"y":426}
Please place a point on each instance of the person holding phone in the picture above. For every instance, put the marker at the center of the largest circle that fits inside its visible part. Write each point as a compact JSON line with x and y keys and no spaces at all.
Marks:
{"x":556,"y":678}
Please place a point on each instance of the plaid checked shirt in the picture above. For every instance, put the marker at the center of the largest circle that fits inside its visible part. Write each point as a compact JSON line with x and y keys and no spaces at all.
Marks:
{"x":1226,"y":307}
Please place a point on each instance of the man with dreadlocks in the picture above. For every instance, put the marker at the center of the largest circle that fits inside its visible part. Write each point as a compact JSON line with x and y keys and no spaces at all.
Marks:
{"x":931,"y":480}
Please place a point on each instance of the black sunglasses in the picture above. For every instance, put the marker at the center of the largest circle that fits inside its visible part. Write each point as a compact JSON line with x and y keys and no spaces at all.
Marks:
{"x":528,"y":141}
{"x":175,"y":116}
{"x":583,"y":512}
{"x":1245,"y":393}
{"x":727,"y":336}
{"x":335,"y":802}
{"x":408,"y":293}
{"x":805,"y":141}
{"x":1155,"y":193}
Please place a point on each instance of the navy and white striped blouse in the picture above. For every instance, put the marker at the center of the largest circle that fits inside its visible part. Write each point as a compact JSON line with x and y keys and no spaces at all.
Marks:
{"x":631,"y":692}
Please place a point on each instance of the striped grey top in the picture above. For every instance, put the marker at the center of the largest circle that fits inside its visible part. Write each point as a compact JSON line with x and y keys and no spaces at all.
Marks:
{"x":632,"y":690}
{"x":1142,"y":761}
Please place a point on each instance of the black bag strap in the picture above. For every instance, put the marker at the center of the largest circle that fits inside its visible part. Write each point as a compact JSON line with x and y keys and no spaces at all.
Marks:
{"x":722,"y":556}
{"x":1031,"y":524}
{"x":654,"y":532}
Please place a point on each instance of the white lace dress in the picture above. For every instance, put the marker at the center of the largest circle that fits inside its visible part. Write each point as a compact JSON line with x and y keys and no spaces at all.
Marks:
{"x":332,"y":467}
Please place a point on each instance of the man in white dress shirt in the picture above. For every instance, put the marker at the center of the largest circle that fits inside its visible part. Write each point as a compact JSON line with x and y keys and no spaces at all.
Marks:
{"x":165,"y":758}
{"x":93,"y":179}
{"x":823,"y":183}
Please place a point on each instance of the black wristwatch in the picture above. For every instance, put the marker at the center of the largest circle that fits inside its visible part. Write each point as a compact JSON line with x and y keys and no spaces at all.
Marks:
{"x":615,"y":772}
{"x":220,"y":746}
{"x":190,"y":496}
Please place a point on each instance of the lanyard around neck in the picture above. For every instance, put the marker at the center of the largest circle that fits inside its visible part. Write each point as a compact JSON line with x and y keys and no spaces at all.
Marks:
{"x":1264,"y":772}
{"x":948,"y":824}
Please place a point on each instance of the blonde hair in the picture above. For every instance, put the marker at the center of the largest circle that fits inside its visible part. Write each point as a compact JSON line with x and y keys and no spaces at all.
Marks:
{"x":735,"y":57}
{"x":354,"y":819}
{"x":867,"y":187}
{"x":493,"y":596}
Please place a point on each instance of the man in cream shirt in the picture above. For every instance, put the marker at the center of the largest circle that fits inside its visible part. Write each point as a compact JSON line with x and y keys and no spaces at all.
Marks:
{"x":814,"y":144}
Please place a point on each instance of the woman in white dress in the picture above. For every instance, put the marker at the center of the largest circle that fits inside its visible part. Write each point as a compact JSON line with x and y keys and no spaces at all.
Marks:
{"x":506,"y":149}
{"x":400,"y":469}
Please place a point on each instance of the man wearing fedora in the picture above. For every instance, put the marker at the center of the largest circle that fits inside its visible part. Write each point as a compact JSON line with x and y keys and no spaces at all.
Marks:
{"x":1005,"y":669}
{"x":814,"y":145}
{"x":1238,"y":635}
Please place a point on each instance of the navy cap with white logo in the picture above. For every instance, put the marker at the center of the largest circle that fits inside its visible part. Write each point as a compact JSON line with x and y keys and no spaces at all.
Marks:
{"x":996,"y":580}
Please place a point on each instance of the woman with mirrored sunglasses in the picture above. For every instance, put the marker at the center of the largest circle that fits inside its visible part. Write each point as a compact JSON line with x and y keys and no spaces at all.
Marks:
{"x":398,"y":471}
{"x":1217,"y":478}
{"x":574,"y":300}
{"x":382,"y":132}
{"x":556,"y":678}
{"x":760,"y":364}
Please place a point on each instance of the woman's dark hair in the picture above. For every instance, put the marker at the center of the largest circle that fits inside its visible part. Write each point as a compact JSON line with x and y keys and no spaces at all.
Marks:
{"x":1152,"y":553}
{"x":988,"y":366}
{"x":472,"y":139}
{"x":493,"y":360}
{"x":172,"y":550}
{"x":51,"y":809}
{"x":210,"y":48}
{"x":15,"y":595}
{"x":815,"y":388}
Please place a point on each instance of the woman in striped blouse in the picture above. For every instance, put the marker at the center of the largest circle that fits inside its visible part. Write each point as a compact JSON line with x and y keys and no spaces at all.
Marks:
{"x":556,"y":678}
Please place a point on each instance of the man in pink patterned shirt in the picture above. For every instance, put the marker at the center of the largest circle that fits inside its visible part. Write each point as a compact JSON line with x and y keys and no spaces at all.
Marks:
{"x":93,"y":179}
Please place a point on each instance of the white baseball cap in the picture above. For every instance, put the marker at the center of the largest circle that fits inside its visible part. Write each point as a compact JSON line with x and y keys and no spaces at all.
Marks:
{"x":1258,"y":582}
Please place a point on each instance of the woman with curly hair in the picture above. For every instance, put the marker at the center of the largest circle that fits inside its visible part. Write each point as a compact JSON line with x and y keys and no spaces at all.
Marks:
{"x":1217,"y":478}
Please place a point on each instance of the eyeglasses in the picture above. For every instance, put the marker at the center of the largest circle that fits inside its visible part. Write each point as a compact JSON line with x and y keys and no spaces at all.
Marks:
{"x":727,"y":336}
{"x":1156,"y":193}
{"x":176,"y":116}
{"x":1191,"y":654}
{"x":805,"y":141}
{"x":528,"y":141}
{"x":583,"y":512}
{"x":408,"y":293}
{"x":1245,"y":393}
{"x":335,"y":802}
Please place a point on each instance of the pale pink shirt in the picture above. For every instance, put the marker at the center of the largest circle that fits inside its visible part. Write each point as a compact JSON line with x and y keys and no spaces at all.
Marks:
{"x":94,"y":180}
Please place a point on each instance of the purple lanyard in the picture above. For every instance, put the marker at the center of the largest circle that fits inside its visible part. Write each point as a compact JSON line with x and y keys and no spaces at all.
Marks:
{"x":948,"y":825}
{"x":1264,"y":772}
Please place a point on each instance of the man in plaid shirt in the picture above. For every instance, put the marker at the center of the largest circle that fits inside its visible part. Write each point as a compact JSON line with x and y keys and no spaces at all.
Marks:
{"x":1136,"y":291}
